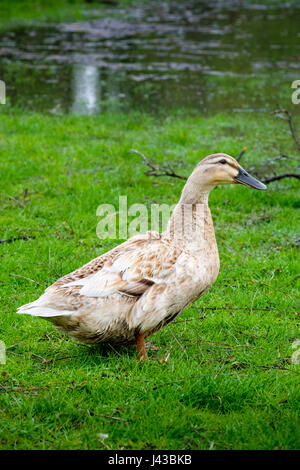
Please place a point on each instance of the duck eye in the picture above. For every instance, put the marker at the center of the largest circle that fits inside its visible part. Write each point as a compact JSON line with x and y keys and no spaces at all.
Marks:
{"x":223,"y":161}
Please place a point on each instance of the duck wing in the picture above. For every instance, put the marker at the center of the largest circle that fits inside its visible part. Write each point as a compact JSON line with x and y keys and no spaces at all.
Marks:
{"x":129,"y":270}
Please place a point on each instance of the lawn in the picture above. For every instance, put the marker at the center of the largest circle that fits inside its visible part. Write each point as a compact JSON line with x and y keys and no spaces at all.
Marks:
{"x":229,"y":382}
{"x":28,"y":12}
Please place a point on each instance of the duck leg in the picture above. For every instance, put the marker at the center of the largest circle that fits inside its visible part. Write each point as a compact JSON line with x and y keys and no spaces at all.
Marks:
{"x":140,"y":344}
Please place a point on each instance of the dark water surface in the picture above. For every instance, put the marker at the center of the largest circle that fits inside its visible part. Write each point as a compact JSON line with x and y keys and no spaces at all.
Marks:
{"x":198,"y":54}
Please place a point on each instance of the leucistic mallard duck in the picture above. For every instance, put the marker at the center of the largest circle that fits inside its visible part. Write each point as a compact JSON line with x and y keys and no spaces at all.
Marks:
{"x":130,"y":292}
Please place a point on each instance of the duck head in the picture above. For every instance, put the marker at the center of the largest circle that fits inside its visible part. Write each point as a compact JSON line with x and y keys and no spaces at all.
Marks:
{"x":221,"y":168}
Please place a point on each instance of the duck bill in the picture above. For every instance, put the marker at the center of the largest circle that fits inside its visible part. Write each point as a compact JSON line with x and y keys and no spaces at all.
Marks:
{"x":243,"y":177}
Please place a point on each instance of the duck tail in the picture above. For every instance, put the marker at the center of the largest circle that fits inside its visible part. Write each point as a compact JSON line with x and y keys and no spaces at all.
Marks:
{"x":39,"y":308}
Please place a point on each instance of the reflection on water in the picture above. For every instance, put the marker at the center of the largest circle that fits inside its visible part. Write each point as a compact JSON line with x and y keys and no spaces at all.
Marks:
{"x":209,"y":56}
{"x":86,"y":89}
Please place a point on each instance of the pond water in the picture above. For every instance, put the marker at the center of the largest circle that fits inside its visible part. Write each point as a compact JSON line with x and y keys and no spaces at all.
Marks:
{"x":209,"y":56}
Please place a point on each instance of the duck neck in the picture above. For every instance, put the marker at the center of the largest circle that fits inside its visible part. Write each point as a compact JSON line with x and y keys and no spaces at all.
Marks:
{"x":191,"y":220}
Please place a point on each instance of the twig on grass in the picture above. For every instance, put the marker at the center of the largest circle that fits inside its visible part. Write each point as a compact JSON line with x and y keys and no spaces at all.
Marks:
{"x":27,"y":278}
{"x":103,"y":443}
{"x":117,"y":352}
{"x":19,"y":203}
{"x":272,"y":288}
{"x":157,"y":169}
{"x":14,"y":239}
{"x":280,"y":112}
{"x":4,"y":388}
{"x":44,"y":361}
{"x":177,"y":341}
{"x":229,"y":346}
{"x":12,"y":346}
{"x":270,"y":179}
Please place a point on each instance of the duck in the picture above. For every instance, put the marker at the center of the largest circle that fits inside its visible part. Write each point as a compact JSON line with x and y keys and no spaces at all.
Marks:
{"x":130,"y":292}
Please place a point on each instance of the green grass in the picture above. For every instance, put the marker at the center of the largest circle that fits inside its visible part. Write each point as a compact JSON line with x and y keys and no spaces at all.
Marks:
{"x":27,"y":12}
{"x":230,"y":383}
